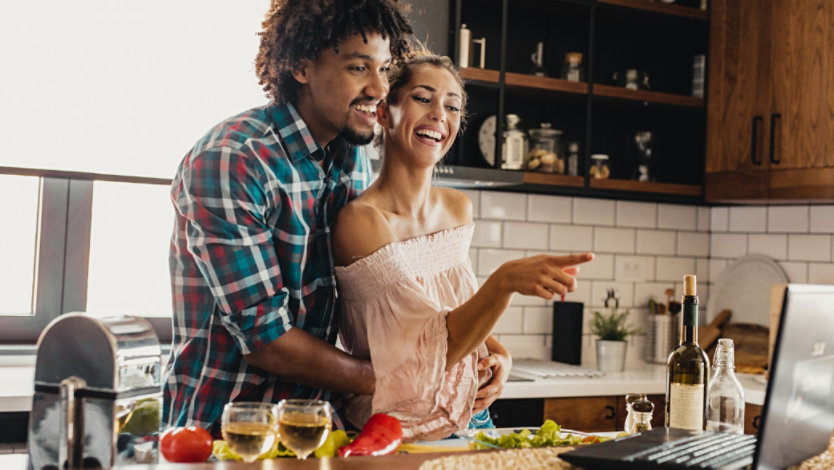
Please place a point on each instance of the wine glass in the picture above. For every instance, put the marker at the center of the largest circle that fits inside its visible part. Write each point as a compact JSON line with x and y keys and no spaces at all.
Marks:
{"x":303,"y":425}
{"x":249,"y":428}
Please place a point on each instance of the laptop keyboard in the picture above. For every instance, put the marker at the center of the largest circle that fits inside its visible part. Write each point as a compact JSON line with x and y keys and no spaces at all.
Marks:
{"x":699,"y":451}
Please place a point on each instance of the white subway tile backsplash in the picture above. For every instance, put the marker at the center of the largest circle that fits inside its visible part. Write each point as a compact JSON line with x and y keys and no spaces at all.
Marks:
{"x":643,"y":291}
{"x":636,"y":214}
{"x":571,"y":238}
{"x":748,"y":219}
{"x":791,"y":219}
{"x":519,"y":300}
{"x":538,"y":320}
{"x":693,"y":244}
{"x":702,"y":269}
{"x":809,"y":248}
{"x":529,"y":346}
{"x":634,"y":268}
{"x":475,"y":196}
{"x":655,"y":242}
{"x":641,"y":250}
{"x":503,"y":206}
{"x":677,"y":217}
{"x":613,"y":240}
{"x":510,"y":322}
{"x":822,"y":219}
{"x":602,"y":267}
{"x":773,"y":245}
{"x":819,"y":273}
{"x":490,"y":259}
{"x":623,"y":291}
{"x":719,"y":219}
{"x":541,"y":208}
{"x":487,"y":234}
{"x":593,"y":211}
{"x":673,"y":269}
{"x":703,"y":219}
{"x":582,"y":292}
{"x":716,"y":266}
{"x":728,"y":245}
{"x":525,"y":235}
{"x":796,"y":272}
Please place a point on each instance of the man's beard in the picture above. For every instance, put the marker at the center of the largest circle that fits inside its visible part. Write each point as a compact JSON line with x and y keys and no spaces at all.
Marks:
{"x":355,"y":138}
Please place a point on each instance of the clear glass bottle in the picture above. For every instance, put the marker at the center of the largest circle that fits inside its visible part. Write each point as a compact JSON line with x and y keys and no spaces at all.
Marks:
{"x":514,"y":148}
{"x":725,"y":397}
{"x":687,"y":369}
{"x":630,"y":399}
{"x":573,"y":159}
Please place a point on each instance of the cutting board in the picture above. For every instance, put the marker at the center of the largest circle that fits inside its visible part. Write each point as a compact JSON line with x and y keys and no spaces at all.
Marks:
{"x":709,"y":334}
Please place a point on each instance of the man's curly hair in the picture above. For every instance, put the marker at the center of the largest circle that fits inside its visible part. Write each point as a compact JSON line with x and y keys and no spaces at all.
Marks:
{"x":295,"y":30}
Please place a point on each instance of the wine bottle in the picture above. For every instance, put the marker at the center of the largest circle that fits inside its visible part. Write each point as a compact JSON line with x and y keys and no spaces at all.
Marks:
{"x":687,"y":369}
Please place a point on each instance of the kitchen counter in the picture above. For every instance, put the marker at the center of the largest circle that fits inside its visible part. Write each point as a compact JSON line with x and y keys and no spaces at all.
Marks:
{"x":17,"y":385}
{"x":650,"y":379}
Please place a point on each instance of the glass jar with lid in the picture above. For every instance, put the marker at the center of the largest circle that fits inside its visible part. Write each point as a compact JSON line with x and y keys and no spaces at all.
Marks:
{"x":547,"y":152}
{"x":573,"y":71}
{"x":599,"y":168}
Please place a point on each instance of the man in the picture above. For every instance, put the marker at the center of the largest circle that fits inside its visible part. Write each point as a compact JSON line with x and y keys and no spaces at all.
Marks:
{"x":251,"y":265}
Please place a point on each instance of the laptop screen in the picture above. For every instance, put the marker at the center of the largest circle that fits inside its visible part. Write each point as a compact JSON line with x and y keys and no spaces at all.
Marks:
{"x":798,"y":414}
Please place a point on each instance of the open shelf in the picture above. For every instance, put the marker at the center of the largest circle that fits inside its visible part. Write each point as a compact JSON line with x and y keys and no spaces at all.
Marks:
{"x":649,"y":96}
{"x":531,"y":177}
{"x":646,"y":187}
{"x":659,"y":7}
{"x":520,"y":80}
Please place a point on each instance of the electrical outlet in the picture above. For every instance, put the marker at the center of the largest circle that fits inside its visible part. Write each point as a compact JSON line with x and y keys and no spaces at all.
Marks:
{"x":632,"y":269}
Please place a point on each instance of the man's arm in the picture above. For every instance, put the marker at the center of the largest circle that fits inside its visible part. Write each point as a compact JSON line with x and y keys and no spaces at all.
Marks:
{"x":299,"y":357}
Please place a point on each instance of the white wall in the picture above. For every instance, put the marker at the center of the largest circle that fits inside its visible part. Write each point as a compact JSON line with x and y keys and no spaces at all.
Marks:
{"x":641,"y":250}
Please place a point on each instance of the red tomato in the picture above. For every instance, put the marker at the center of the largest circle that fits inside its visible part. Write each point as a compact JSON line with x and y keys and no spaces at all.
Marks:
{"x":190,"y":444}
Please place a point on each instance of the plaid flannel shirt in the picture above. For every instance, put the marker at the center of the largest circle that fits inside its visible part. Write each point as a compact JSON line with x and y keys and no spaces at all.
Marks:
{"x":251,"y":257}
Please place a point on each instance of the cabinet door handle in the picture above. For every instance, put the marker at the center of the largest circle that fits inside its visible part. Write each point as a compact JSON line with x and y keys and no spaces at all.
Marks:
{"x":612,"y":413}
{"x":772,"y":152}
{"x":754,"y":144}
{"x":756,"y":421}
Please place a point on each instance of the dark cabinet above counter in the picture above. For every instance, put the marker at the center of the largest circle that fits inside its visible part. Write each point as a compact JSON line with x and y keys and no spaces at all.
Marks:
{"x":636,"y":77}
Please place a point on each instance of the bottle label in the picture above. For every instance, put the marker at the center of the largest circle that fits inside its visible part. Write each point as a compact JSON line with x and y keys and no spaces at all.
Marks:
{"x":686,"y":406}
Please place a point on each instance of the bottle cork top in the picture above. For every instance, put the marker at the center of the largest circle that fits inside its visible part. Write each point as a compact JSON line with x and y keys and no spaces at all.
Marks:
{"x":689,"y":286}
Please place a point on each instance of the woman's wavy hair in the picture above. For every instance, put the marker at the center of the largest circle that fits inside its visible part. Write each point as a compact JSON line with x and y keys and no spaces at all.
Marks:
{"x":297,"y":30}
{"x":401,"y":74}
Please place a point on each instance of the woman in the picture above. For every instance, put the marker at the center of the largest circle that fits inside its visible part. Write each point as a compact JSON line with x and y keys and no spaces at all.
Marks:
{"x":409,"y":300}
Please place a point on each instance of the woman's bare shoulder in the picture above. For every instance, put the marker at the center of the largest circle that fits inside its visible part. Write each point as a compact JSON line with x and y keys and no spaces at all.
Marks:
{"x":360,"y":230}
{"x":457,"y":204}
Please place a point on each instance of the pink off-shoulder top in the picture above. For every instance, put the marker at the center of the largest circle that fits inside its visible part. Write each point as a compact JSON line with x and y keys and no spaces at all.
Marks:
{"x":393,"y":307}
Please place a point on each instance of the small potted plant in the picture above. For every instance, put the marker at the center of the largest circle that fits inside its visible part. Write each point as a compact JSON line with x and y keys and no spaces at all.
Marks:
{"x":612,"y":333}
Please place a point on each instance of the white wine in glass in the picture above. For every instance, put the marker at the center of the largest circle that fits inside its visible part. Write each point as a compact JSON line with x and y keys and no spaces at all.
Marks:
{"x":303,"y":425}
{"x":249,"y":428}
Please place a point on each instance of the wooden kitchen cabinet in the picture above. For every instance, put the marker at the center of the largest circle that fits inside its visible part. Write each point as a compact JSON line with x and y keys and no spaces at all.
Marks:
{"x":770,"y":113}
{"x":596,"y":414}
{"x":752,"y":418}
{"x":591,"y":414}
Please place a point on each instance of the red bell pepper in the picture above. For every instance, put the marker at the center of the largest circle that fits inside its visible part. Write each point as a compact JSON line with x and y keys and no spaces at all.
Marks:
{"x":381,"y":435}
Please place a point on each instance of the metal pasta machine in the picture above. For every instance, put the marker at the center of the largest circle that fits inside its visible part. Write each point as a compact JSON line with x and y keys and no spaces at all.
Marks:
{"x":97,"y":393}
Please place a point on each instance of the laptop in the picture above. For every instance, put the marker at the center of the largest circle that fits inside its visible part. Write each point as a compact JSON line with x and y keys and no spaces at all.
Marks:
{"x":797,"y":417}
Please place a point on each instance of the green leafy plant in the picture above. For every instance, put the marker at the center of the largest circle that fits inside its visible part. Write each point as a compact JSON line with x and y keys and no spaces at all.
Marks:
{"x":611,"y":327}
